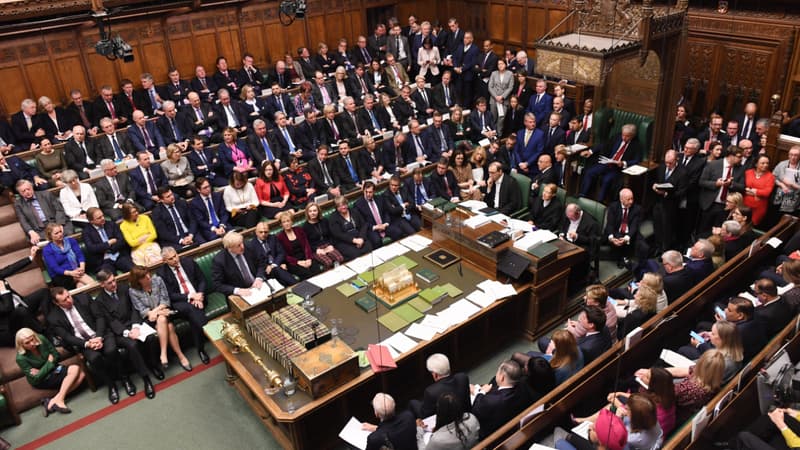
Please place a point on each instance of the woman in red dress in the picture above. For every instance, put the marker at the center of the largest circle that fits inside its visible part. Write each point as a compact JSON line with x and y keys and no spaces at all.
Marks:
{"x":759,"y":183}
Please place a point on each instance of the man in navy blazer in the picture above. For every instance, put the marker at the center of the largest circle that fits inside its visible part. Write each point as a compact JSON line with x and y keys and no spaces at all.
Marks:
{"x":230,"y":107}
{"x":419,"y":188}
{"x":439,"y":135}
{"x":622,"y":152}
{"x":235,"y":270}
{"x":541,"y":103}
{"x":482,"y":122}
{"x":13,"y":169}
{"x":144,"y":135}
{"x":699,"y":263}
{"x":146,"y":179}
{"x":266,"y":247}
{"x":395,"y":229}
{"x":401,"y":205}
{"x":174,"y":225}
{"x":597,"y":339}
{"x":529,"y":145}
{"x":209,"y":226}
{"x":204,"y":163}
{"x":285,"y":105}
{"x":553,"y":134}
{"x":443,"y":182}
{"x":465,"y":59}
{"x":106,"y":248}
{"x":418,"y":146}
{"x":496,"y":405}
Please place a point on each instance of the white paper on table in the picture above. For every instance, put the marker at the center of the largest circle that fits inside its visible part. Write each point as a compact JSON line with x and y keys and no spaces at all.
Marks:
{"x":353,"y":434}
{"x":480,"y":298}
{"x":473,"y":205}
{"x":477,"y":174}
{"x":499,"y":218}
{"x":389,"y":252}
{"x":774,"y":242}
{"x":258,"y":295}
{"x":485,"y":285}
{"x":416,"y":242}
{"x":144,"y":331}
{"x":421,"y":332}
{"x":582,"y":429}
{"x":435,"y":322}
{"x":446,"y":116}
{"x":274,"y":284}
{"x":519,"y":225}
{"x":476,"y":221}
{"x":466,"y":307}
{"x":452,"y":316}
{"x":361,"y":264}
{"x":400,"y":342}
{"x":505,"y":290}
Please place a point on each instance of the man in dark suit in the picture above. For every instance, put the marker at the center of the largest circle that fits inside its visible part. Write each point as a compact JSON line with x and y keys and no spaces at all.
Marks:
{"x":225,"y":78}
{"x":105,"y":105}
{"x":105,"y":246}
{"x":576,"y":133}
{"x":563,"y":114}
{"x":373,"y":123}
{"x":418,"y":146}
{"x":23,"y":124}
{"x":597,"y":339}
{"x":713,"y":133}
{"x":362,"y":53}
{"x":234,"y":270}
{"x":187,"y":288}
{"x":375,"y":213}
{"x":699,"y":263}
{"x":279,"y":76}
{"x":113,"y":190}
{"x":677,"y":280}
{"x":692,"y":164}
{"x":465,"y":58}
{"x":13,"y":169}
{"x":124,"y":323}
{"x":204,"y":163}
{"x":79,"y":153}
{"x":261,"y":145}
{"x":148,"y":99}
{"x":267,"y":248}
{"x":419,"y":188}
{"x":443,"y":182}
{"x":546,"y":209}
{"x":580,"y":228}
{"x":112,"y":145}
{"x":309,"y":134}
{"x":34,"y":220}
{"x":360,"y":85}
{"x":279,"y":101}
{"x":209,"y":212}
{"x":547,"y":174}
{"x":395,"y":430}
{"x":502,"y":190}
{"x":127,"y":101}
{"x":83,"y":112}
{"x":397,"y":44}
{"x":332,"y":129}
{"x":620,"y":152}
{"x":81,"y":327}
{"x":482,"y":122}
{"x":741,"y":312}
{"x":174,"y":126}
{"x":307,"y":64}
{"x":203,"y":85}
{"x":719,"y":178}
{"x":529,"y":145}
{"x":553,"y":134}
{"x":747,"y":122}
{"x":146,"y":179}
{"x":400,"y":205}
{"x":774,"y":312}
{"x":496,"y":405}
{"x":249,"y":74}
{"x":444,"y":382}
{"x":144,"y":136}
{"x":322,"y":93}
{"x":487,"y":63}
{"x":377,"y":41}
{"x":286,"y":141}
{"x":230,"y":113}
{"x":668,"y":199}
{"x":622,"y":229}
{"x":423,"y":99}
{"x":541,"y":103}
{"x":175,"y":226}
{"x":7,"y":139}
{"x":202,"y":119}
{"x":17,"y":311}
{"x":176,"y":89}
{"x":445,"y":95}
{"x":325,"y":176}
{"x":522,"y":62}
{"x":348,"y":168}
{"x":439,"y":136}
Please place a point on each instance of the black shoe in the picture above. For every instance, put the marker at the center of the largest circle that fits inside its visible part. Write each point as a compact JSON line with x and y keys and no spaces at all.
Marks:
{"x":130,"y":388}
{"x":157,"y":372}
{"x":149,"y":390}
{"x":113,"y":394}
{"x":203,"y":356}
{"x":45,"y":401}
{"x":61,"y":410}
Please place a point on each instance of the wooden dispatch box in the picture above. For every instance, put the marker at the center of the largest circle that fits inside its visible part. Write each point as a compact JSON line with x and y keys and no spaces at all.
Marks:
{"x":325,"y":367}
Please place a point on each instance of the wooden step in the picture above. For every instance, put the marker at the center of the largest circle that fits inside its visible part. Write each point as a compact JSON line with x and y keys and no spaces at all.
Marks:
{"x":7,"y":214}
{"x":12,"y":238}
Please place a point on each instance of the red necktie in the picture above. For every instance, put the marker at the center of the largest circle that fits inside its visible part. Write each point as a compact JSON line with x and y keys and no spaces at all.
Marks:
{"x":621,"y":151}
{"x":447,"y":185}
{"x":585,"y":121}
{"x":623,"y":227}
{"x":182,"y":281}
{"x":111,"y":110}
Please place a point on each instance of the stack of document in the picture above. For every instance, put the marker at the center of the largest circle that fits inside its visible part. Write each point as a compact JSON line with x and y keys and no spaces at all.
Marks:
{"x":416,"y":242}
{"x":474,"y":205}
{"x":332,"y":277}
{"x":477,"y":221}
{"x":354,"y":434}
{"x":258,"y":295}
{"x":390,"y":251}
{"x":363,"y":263}
{"x":534,"y":238}
{"x":400,"y":342}
{"x":496,"y":289}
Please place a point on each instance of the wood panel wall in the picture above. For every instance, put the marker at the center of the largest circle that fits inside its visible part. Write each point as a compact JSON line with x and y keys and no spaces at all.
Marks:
{"x":53,"y":63}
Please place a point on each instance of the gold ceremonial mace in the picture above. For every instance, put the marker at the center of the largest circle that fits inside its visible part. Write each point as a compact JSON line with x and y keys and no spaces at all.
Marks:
{"x":233,"y":334}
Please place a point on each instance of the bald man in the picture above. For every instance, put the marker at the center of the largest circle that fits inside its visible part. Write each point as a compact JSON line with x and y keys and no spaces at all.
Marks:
{"x":622,"y":227}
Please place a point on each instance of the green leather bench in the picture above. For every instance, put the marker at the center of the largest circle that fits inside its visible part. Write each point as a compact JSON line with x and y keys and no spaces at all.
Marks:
{"x":608,"y":122}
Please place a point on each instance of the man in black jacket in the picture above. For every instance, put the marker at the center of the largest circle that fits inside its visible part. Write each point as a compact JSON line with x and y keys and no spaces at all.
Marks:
{"x":597,"y":339}
{"x":395,"y":430}
{"x":106,"y":248}
{"x":496,"y":405}
{"x":444,"y":382}
{"x":502,"y":191}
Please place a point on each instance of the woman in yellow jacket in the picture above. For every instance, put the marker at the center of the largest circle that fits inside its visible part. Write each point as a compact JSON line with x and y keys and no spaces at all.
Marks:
{"x":140,"y":234}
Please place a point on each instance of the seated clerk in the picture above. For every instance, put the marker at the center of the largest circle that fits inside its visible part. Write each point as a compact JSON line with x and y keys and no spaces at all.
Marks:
{"x":204,"y":163}
{"x":146,"y":179}
{"x":375,"y":213}
{"x":496,"y":405}
{"x":546,"y":209}
{"x":443,"y":182}
{"x":677,"y":280}
{"x":186,"y":285}
{"x":529,"y":145}
{"x":595,"y":295}
{"x":622,"y":151}
{"x":419,"y":188}
{"x":401,"y":205}
{"x":105,"y":246}
{"x":325,"y":174}
{"x":208,"y":210}
{"x":395,"y":430}
{"x":418,"y":145}
{"x":175,"y":226}
{"x":348,"y":230}
{"x":597,"y":339}
{"x":236,"y":270}
{"x":267,"y":248}
{"x":444,"y":382}
{"x":773,"y":313}
{"x":502,"y":191}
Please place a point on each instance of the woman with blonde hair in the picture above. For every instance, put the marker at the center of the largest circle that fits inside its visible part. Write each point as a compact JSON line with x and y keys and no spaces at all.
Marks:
{"x":318,"y":232}
{"x":64,"y":259}
{"x":645,"y":308}
{"x":625,"y":305}
{"x":140,"y":234}
{"x":38,"y":360}
{"x":724,"y":336}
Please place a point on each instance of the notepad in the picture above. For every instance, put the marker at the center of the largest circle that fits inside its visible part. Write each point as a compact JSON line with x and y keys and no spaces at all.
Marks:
{"x":350,"y":288}
{"x":392,"y":321}
{"x":451,"y":290}
{"x":408,"y":313}
{"x":366,"y":303}
{"x":419,"y":304}
{"x":405,"y":261}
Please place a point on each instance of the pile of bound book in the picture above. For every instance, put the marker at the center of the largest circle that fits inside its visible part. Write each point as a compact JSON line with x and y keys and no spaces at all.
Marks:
{"x":277,"y":343}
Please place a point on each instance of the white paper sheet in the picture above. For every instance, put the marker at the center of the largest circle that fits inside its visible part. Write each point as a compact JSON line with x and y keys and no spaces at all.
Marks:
{"x":400,"y":342}
{"x":435,"y":322}
{"x":480,"y":298}
{"x":354,"y":435}
{"x":421,"y":332}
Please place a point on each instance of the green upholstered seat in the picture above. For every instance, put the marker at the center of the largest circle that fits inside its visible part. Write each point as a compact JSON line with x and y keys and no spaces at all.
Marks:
{"x":216,"y":303}
{"x":524,"y":184}
{"x":608,"y":122}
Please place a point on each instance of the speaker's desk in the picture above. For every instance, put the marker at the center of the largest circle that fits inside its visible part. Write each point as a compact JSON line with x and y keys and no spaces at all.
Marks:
{"x":315,"y":423}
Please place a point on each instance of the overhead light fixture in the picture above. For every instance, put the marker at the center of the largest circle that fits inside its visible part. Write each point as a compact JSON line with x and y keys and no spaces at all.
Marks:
{"x":289,"y":10}
{"x":111,"y":47}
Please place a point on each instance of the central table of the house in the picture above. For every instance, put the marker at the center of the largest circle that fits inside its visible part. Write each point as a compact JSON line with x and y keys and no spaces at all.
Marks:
{"x":300,"y":421}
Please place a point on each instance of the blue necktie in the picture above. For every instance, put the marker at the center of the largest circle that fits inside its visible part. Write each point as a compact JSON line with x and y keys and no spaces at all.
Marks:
{"x":178,"y":224}
{"x":400,"y":202}
{"x":153,"y":101}
{"x":117,"y":149}
{"x":267,"y":151}
{"x":420,"y":195}
{"x":175,"y":130}
{"x":374,"y":120}
{"x":352,"y":171}
{"x":288,"y":140}
{"x":211,"y":213}
{"x":103,"y":234}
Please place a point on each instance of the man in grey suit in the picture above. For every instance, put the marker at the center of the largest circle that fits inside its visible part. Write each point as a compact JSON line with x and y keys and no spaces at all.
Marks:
{"x":113,"y":190}
{"x":719,"y":178}
{"x":397,"y":44}
{"x":36,"y":210}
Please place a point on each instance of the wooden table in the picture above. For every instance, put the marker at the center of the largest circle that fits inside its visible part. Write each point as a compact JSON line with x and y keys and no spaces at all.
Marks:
{"x":307,"y":423}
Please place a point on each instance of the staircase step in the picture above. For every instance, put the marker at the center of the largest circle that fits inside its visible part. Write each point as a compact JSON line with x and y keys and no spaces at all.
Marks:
{"x":7,"y":214}
{"x":12,"y":238}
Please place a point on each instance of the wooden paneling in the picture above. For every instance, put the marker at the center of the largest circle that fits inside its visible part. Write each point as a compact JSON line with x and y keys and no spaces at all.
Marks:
{"x":316,"y":30}
{"x":514,"y":16}
{"x":40,"y":76}
{"x":497,"y":22}
{"x":13,"y":89}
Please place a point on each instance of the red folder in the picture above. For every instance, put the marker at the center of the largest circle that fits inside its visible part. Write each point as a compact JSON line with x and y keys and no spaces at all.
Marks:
{"x":379,"y":358}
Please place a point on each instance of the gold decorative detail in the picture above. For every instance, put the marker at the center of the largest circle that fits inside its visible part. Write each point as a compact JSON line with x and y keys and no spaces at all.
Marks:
{"x":234,"y":335}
